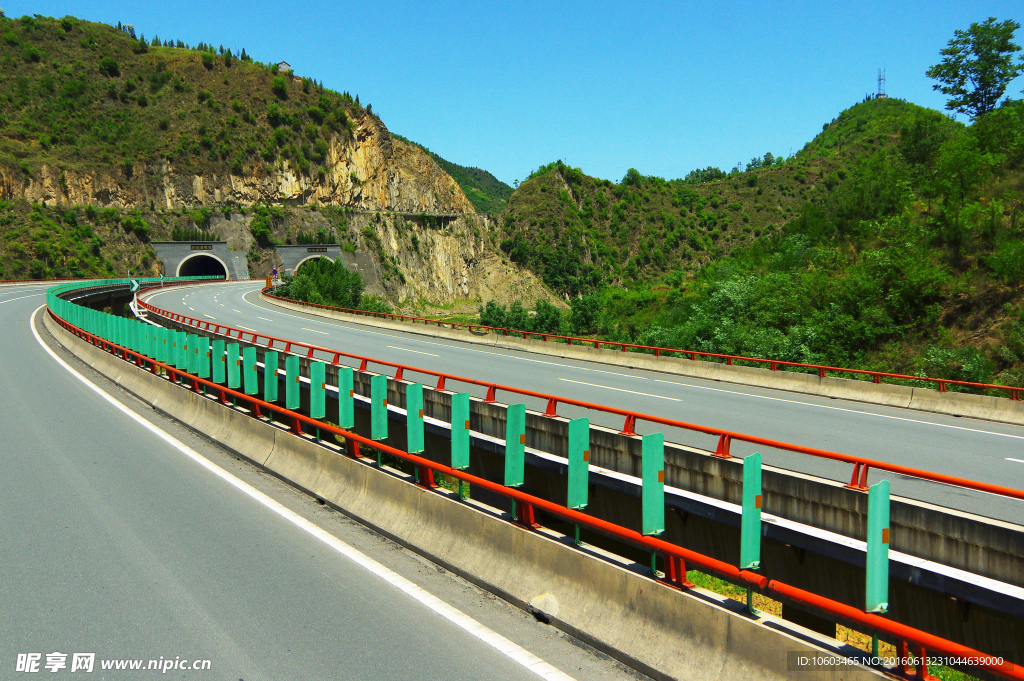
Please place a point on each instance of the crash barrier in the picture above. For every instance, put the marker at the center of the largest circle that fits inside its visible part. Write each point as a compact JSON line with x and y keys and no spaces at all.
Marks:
{"x":858,"y":477}
{"x":166,"y":352}
{"x":823,"y":371}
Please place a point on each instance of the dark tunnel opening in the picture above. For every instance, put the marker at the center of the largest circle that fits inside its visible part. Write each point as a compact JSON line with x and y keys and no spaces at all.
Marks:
{"x":201,"y":266}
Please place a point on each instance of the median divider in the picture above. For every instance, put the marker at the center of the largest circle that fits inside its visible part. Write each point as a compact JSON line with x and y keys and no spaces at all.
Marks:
{"x":664,"y":632}
{"x":307,"y":468}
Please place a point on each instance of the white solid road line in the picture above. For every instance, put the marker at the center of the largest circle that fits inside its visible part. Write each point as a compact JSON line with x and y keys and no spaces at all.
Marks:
{"x":418,"y":352}
{"x":492,"y":638}
{"x":621,"y":390}
{"x":690,"y":385}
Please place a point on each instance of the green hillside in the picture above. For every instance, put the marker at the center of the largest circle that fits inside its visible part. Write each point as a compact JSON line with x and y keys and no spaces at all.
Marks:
{"x":87,"y":96}
{"x":582,"y":233}
{"x":892,"y":241}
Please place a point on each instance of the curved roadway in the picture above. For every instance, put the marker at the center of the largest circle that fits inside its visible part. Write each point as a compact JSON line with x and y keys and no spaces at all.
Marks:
{"x":124,"y":535}
{"x":970,"y":448}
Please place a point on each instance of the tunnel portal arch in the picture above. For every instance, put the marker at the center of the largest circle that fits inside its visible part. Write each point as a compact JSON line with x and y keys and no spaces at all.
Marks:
{"x":202,"y":264}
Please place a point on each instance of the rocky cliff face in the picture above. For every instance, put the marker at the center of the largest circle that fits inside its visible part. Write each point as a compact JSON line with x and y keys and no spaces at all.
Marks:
{"x":369,"y":170}
{"x":441,"y":261}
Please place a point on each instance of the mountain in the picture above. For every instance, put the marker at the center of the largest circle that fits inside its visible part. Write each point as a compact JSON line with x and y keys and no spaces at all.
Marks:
{"x":891,"y":242}
{"x":109,"y":141}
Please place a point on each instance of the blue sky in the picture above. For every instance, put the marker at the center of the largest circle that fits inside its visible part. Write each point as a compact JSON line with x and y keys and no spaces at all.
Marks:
{"x":662,"y":87}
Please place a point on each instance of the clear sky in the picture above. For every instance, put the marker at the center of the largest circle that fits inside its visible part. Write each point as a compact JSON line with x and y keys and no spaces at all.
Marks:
{"x":662,"y":87}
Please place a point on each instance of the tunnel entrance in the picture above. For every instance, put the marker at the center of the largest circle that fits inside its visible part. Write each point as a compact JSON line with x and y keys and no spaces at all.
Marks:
{"x":202,"y":266}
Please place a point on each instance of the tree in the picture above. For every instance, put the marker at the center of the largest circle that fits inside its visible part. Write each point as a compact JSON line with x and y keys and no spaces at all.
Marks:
{"x":977,"y":66}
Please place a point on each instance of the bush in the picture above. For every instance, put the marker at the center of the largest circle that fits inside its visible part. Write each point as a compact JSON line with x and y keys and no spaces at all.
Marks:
{"x":208,"y":60}
{"x":108,"y":66}
{"x":280,"y":87}
{"x":327,"y":282}
{"x":1008,"y":262}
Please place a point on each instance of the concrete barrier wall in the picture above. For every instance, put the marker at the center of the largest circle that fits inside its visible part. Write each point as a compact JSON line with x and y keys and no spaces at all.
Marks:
{"x":659,"y":630}
{"x":998,"y":409}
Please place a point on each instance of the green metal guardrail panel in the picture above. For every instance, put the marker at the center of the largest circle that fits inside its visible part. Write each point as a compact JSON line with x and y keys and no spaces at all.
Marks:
{"x":317,"y":390}
{"x":750,"y":522}
{"x":515,"y":445}
{"x":172,"y":348}
{"x":293,"y":386}
{"x":653,"y":490}
{"x":378,"y":407}
{"x":460,"y":430}
{"x":234,"y":361}
{"x":877,"y":569}
{"x":249,"y":375}
{"x":217,"y":361}
{"x":346,"y":399}
{"x":159,"y":344}
{"x":182,"y":362}
{"x":270,"y":377}
{"x":190,"y":353}
{"x":579,"y":463}
{"x":203,"y":356}
{"x":414,"y":417}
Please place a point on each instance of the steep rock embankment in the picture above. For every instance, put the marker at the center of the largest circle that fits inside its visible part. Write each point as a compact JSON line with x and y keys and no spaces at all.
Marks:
{"x":368,"y":170}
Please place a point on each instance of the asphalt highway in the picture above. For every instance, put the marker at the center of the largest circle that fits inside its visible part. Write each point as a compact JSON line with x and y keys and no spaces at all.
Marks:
{"x":125,"y":535}
{"x":970,"y":448}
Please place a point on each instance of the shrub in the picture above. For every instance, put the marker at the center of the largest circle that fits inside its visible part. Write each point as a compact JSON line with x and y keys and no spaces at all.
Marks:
{"x":31,"y":53}
{"x":208,"y":60}
{"x":280,"y":87}
{"x":108,"y":66}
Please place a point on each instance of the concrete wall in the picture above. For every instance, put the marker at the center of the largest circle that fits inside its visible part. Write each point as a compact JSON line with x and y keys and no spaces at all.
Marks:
{"x":958,"y":606}
{"x":922,"y":399}
{"x":661,"y":631}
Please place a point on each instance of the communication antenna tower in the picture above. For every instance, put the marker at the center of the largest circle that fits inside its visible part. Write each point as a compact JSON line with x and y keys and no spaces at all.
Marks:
{"x":881,"y":85}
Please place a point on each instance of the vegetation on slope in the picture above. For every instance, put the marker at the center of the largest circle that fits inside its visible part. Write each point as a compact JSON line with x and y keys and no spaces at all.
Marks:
{"x":86,"y":96}
{"x":892,"y":241}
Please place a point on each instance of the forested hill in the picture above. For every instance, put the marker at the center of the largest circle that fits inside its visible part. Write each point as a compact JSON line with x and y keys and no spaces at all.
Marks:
{"x":87,"y":96}
{"x":581,"y":233}
{"x":892,"y":241}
